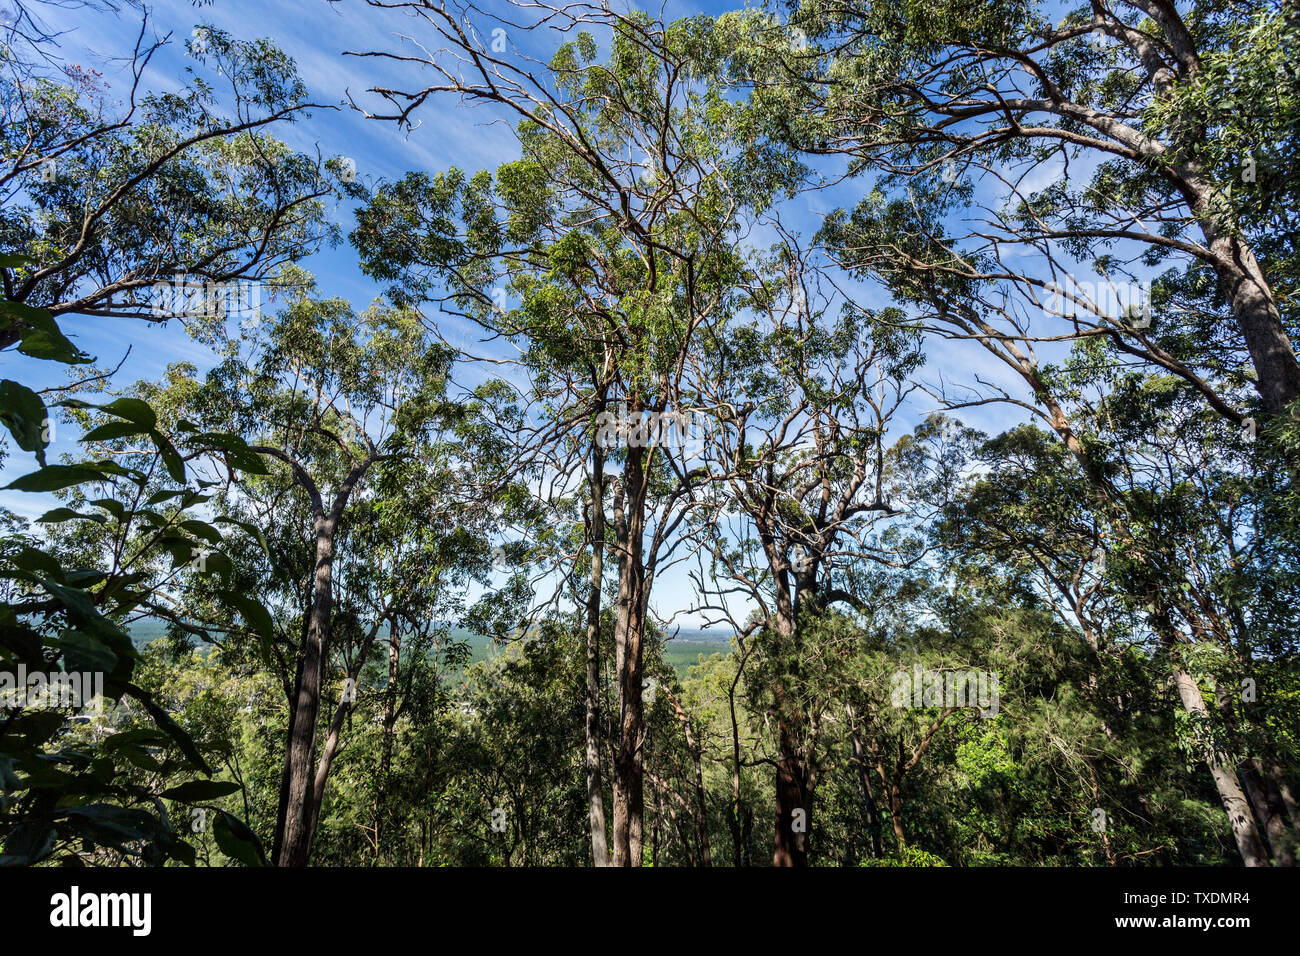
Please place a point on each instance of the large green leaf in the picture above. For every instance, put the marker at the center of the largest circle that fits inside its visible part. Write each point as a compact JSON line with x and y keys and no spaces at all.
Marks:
{"x":39,"y":335}
{"x":237,"y":840}
{"x":54,"y":477}
{"x":201,"y":791}
{"x":24,"y":414}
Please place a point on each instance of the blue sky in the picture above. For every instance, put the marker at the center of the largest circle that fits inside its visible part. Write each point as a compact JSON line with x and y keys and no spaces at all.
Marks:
{"x":316,"y":34}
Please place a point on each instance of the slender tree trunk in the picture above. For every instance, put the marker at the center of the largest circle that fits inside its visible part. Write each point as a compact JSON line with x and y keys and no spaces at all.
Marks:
{"x":328,"y":752}
{"x":1278,"y":779}
{"x":595,"y":798}
{"x":894,"y":791}
{"x":299,"y":757}
{"x":1244,"y":829}
{"x":864,"y":787}
{"x":282,"y":804}
{"x":386,"y":747}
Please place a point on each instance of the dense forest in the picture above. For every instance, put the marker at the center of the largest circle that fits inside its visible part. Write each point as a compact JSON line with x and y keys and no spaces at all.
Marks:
{"x":821,"y":433}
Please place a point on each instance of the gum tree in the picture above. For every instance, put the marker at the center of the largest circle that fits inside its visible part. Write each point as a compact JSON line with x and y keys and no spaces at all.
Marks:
{"x":616,"y":233}
{"x":331,"y":401}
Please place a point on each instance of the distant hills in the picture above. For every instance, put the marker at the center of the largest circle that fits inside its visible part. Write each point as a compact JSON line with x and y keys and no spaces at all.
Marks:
{"x":681,"y":652}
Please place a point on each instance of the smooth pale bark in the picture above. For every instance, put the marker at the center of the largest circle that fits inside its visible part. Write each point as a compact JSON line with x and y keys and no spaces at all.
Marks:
{"x":1242,"y":820}
{"x":1255,"y":309}
{"x":595,"y":798}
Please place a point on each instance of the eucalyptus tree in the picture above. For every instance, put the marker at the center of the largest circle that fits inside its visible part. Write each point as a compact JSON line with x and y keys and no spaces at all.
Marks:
{"x":337,"y":405}
{"x":1002,"y":94}
{"x":801,"y":463}
{"x":1171,"y":549}
{"x":616,"y":233}
{"x":107,"y":199}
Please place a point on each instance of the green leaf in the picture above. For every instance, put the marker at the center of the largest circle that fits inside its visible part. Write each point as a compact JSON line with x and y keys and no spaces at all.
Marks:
{"x":171,"y":458}
{"x":133,"y":410}
{"x":42,"y":338}
{"x":237,"y":841}
{"x":201,"y":791}
{"x":170,"y":727}
{"x":24,"y":414}
{"x":57,"y":515}
{"x":112,"y":506}
{"x":201,"y":529}
{"x":54,"y":477}
{"x":112,"y":430}
{"x":254,"y":614}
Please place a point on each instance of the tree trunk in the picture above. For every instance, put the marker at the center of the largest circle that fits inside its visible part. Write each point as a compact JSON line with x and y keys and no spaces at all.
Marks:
{"x":595,"y":798}
{"x":629,"y":629}
{"x":629,"y":798}
{"x":793,"y":814}
{"x":1255,"y":309}
{"x":282,"y":804}
{"x":864,"y":788}
{"x":894,"y":790}
{"x":298,"y":759}
{"x":1244,"y":829}
{"x":386,"y":747}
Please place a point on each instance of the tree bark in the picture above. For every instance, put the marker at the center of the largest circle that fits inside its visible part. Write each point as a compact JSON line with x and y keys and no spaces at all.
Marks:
{"x":864,"y":788}
{"x":1277,"y":372}
{"x":298,"y":759}
{"x":629,"y":629}
{"x":595,"y":798}
{"x":1244,"y":829}
{"x":390,"y":719}
{"x":792,"y":803}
